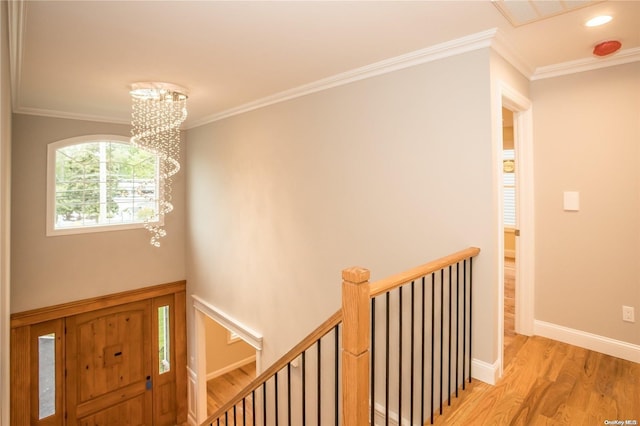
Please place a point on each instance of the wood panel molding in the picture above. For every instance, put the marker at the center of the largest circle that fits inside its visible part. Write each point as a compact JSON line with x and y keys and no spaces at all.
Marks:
{"x":35,"y":316}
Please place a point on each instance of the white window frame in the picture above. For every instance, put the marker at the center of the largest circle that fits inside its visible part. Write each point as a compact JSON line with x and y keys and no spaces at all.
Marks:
{"x":52,"y":148}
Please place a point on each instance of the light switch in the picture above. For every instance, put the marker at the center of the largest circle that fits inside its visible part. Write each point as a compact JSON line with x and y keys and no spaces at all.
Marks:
{"x":571,"y":201}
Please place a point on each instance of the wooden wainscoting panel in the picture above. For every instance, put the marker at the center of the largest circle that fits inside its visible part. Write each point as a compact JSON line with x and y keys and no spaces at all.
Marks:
{"x":20,"y":376}
{"x":180,"y":345}
{"x":102,"y":336}
{"x":87,"y":305}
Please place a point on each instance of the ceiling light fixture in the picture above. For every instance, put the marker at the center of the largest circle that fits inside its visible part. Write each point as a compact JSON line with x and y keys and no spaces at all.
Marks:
{"x":158,"y":110}
{"x":606,"y":47}
{"x":598,"y":20}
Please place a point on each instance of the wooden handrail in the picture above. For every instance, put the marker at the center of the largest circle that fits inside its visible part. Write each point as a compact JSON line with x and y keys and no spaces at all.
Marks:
{"x":386,"y":284}
{"x":312,"y":338}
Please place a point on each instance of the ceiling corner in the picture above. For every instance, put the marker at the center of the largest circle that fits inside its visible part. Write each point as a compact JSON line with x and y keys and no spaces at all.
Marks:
{"x":16,"y":16}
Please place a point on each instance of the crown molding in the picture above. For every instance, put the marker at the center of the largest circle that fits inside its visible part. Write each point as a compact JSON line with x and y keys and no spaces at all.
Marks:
{"x":69,"y":115}
{"x":16,"y":27}
{"x":501,"y":45}
{"x":439,"y":51}
{"x":587,"y":64}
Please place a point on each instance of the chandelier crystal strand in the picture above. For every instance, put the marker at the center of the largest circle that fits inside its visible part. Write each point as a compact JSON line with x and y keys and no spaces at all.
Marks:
{"x":158,"y":110}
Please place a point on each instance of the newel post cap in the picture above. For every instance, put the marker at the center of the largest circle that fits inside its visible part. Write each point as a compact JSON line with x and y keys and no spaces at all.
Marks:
{"x":356,"y":274}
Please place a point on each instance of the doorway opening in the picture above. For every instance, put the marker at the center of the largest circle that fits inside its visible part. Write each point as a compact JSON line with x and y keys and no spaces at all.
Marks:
{"x":231,"y":364}
{"x":509,"y":220}
{"x":227,"y":359}
{"x":516,"y":259}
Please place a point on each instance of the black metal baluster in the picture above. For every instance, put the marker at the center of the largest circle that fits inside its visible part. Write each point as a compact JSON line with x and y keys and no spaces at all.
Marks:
{"x":319,"y":382}
{"x":422,"y":369}
{"x":234,"y":415}
{"x":433,"y":335}
{"x":253,"y":407}
{"x":412,"y":351}
{"x":218,"y":422}
{"x":264,"y":403}
{"x":400,"y":354}
{"x":304,"y":388}
{"x":457,"y":324}
{"x":470,"y":311}
{"x":386,"y":385}
{"x":373,"y":360}
{"x":464,"y":322}
{"x":449,"y":351}
{"x":336,"y":377}
{"x":226,"y":418}
{"x":289,"y":393}
{"x":244,"y":411}
{"x":276,"y":397}
{"x":441,"y":332}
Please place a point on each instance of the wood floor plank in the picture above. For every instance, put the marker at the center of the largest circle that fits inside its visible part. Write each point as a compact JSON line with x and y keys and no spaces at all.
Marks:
{"x":552,"y":383}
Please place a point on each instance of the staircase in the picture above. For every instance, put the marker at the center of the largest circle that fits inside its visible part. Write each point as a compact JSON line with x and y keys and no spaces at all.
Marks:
{"x":396,"y":353}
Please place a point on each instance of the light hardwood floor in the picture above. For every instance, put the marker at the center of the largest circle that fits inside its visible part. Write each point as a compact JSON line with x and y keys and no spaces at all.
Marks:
{"x":545,"y":383}
{"x":552,"y":383}
{"x":223,"y":388}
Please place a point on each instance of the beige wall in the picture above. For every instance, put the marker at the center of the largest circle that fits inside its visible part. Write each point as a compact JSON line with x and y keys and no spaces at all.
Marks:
{"x":587,"y":139}
{"x":221,"y":353}
{"x":385,"y":173}
{"x":5,"y":194}
{"x":52,"y":270}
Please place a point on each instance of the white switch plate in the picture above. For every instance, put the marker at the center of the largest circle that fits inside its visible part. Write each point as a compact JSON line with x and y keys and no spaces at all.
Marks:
{"x":628,"y":314}
{"x":571,"y":201}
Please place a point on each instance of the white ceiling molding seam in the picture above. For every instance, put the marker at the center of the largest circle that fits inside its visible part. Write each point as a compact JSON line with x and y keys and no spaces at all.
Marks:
{"x":68,"y":115}
{"x":16,"y":11}
{"x":248,"y":335}
{"x":622,"y":57}
{"x":439,"y":51}
{"x":504,"y":48}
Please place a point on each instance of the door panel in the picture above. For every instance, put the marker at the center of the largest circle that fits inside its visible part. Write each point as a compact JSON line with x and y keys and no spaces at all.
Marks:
{"x":130,"y":412}
{"x":109,"y":366}
{"x":164,"y":361}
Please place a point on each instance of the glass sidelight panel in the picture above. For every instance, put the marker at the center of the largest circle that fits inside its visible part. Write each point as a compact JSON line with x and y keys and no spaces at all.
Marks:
{"x":46,"y":375}
{"x":164,"y":340}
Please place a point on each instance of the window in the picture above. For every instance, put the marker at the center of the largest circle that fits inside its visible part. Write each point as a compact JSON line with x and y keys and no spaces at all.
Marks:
{"x":164,"y":340}
{"x":98,"y":183}
{"x":509,"y":182}
{"x":46,"y":375}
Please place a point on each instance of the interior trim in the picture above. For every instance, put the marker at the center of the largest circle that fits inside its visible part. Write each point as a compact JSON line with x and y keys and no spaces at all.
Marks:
{"x":247,"y":334}
{"x":586,"y":64}
{"x":439,"y":51}
{"x":35,"y":316}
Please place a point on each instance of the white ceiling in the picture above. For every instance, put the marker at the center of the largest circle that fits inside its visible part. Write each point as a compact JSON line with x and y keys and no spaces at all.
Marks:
{"x":78,"y":58}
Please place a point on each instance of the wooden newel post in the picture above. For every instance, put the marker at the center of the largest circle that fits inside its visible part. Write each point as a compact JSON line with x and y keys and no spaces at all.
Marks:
{"x":356,"y":311}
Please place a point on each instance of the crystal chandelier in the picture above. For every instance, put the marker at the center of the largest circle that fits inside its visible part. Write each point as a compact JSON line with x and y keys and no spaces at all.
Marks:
{"x":157,"y":113}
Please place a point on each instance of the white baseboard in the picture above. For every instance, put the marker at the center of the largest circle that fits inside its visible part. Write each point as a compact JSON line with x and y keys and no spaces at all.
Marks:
{"x":230,"y":367}
{"x":586,"y":340}
{"x":484,"y":371}
{"x":192,"y":391}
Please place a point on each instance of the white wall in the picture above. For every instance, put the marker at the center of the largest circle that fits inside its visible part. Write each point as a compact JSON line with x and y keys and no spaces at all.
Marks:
{"x":52,"y":270}
{"x":587,"y":139}
{"x":5,"y":194}
{"x":386,"y":173}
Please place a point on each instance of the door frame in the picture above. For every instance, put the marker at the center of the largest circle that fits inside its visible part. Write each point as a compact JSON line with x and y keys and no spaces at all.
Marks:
{"x":525,"y":243}
{"x":198,"y":386}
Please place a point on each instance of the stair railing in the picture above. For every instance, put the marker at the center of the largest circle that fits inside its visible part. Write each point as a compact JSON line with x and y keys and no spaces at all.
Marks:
{"x":445,"y":283}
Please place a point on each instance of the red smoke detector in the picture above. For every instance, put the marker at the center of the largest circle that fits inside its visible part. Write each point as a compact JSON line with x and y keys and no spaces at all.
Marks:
{"x":606,"y":47}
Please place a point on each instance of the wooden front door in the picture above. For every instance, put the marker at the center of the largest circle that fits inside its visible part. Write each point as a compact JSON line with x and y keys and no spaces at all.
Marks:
{"x":109,"y":366}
